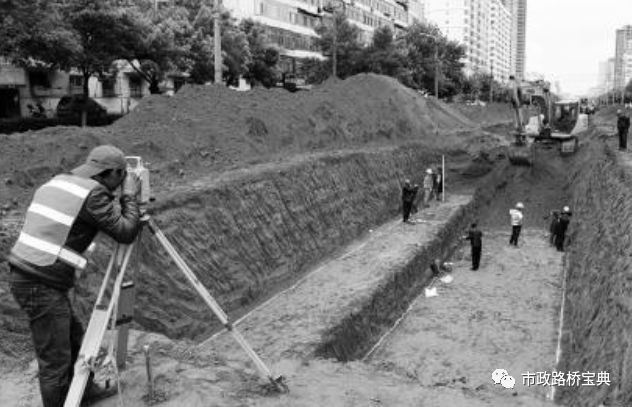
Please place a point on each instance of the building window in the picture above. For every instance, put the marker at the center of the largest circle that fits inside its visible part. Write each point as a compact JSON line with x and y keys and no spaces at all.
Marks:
{"x":39,"y":79}
{"x":135,"y":86}
{"x":108,"y":87}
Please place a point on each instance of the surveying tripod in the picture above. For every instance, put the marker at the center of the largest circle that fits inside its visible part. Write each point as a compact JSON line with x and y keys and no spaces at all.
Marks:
{"x":119,"y":309}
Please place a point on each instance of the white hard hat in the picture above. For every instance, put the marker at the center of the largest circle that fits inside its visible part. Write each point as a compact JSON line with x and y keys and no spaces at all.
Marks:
{"x":519,"y":205}
{"x":429,"y":171}
{"x":566,"y":209}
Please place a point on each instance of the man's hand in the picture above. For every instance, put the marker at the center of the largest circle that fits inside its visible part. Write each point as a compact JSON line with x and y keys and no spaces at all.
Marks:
{"x":131,"y":185}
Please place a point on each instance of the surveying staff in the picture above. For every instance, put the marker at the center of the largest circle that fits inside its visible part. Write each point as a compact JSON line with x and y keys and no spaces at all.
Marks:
{"x":64,"y":217}
{"x":408,"y":197}
{"x":623,"y":124}
{"x":475,"y":237}
{"x":438,"y":184}
{"x":516,"y":223}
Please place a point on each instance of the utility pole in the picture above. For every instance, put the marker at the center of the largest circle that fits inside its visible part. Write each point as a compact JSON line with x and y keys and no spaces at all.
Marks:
{"x":491,"y":85}
{"x":436,"y":76}
{"x":335,"y":47}
{"x":217,"y":42}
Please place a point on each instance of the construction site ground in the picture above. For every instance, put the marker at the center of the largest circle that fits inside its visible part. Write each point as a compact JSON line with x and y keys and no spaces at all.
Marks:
{"x":293,"y":223}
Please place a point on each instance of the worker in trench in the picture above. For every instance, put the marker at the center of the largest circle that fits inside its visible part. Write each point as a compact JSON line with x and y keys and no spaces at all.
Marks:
{"x":409,"y":192}
{"x":562,"y":227}
{"x":516,"y":223}
{"x":553,"y":226}
{"x":475,"y":236}
{"x":65,"y":215}
{"x":623,"y":125}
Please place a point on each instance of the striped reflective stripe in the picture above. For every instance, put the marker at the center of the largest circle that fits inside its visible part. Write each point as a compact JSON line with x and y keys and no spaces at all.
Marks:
{"x":64,"y":254}
{"x":69,"y":187}
{"x":51,"y":214}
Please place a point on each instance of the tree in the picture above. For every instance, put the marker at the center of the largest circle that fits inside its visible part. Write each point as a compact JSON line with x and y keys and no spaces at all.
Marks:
{"x":262,"y":68}
{"x":386,"y":55}
{"x":348,"y":44}
{"x":423,"y":42}
{"x":164,"y":45}
{"x":82,"y":34}
{"x":235,"y":52}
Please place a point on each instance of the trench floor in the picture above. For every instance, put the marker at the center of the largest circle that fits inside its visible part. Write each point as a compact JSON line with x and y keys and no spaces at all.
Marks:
{"x":441,"y":354}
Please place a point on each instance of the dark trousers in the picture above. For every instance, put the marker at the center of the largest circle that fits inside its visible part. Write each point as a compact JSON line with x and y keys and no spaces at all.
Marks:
{"x":515,"y":234}
{"x":407,"y":206}
{"x":56,"y":333}
{"x":559,"y":241}
{"x":476,"y":257}
{"x":623,"y":139}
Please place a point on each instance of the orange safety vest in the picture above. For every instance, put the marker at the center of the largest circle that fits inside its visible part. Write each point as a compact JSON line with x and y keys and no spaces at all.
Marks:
{"x":48,"y":221}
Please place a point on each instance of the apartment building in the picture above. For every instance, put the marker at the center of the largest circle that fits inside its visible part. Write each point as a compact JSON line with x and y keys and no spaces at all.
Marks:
{"x":118,"y":94}
{"x":623,"y":54}
{"x":606,"y":76}
{"x":518,"y":11}
{"x":290,"y":23}
{"x":482,"y":26}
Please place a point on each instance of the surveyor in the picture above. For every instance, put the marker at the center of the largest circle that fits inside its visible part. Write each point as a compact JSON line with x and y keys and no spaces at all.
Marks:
{"x":64,"y":217}
{"x":516,"y":223}
{"x":428,"y":185}
{"x":623,"y":125}
{"x":564,"y":221}
{"x":408,"y":198}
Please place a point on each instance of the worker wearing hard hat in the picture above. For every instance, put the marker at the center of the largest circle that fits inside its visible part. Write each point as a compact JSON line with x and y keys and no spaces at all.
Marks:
{"x":560,"y":236}
{"x":64,"y":217}
{"x":516,"y":223}
{"x":623,"y":124}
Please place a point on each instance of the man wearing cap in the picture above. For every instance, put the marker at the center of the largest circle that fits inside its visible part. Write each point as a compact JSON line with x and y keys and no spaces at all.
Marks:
{"x":623,"y":124}
{"x":64,"y":217}
{"x":560,"y":236}
{"x":408,"y":197}
{"x":516,"y":223}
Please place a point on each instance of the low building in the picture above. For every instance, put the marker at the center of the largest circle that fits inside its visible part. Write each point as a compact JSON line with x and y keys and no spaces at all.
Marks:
{"x":23,"y":90}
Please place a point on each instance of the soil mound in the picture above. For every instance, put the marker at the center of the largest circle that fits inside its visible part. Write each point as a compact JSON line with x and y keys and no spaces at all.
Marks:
{"x":204,"y":129}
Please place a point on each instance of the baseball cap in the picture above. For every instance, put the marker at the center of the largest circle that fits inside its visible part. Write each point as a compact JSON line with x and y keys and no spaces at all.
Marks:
{"x":101,"y":158}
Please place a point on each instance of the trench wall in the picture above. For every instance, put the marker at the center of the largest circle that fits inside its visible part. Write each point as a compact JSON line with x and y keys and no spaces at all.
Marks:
{"x":247,"y":237}
{"x":598,"y":311}
{"x":356,"y":334}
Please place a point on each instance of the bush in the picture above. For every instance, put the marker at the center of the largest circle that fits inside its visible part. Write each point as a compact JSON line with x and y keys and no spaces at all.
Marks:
{"x":8,"y":126}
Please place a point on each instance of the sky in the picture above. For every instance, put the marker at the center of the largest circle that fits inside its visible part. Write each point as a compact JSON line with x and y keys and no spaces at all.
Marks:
{"x":566,"y":39}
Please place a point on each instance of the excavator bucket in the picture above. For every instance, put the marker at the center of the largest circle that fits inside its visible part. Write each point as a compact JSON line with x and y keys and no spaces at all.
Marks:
{"x":520,"y":155}
{"x":521,"y":151}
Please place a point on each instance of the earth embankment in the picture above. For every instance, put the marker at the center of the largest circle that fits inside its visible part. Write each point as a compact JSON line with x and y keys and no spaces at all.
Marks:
{"x":598,"y":313}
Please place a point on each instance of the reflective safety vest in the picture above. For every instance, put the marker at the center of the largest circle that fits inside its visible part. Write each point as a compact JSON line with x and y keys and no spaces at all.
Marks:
{"x":48,"y":221}
{"x":516,"y":217}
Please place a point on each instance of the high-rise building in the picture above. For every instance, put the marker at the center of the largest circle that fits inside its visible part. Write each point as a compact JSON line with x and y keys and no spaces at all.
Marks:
{"x":606,"y":75}
{"x":500,"y":41}
{"x":481,"y":26}
{"x":518,"y":10}
{"x":623,"y":53}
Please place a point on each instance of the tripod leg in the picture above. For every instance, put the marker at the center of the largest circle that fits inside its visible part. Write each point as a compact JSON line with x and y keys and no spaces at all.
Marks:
{"x":91,"y":344}
{"x":210,"y":301}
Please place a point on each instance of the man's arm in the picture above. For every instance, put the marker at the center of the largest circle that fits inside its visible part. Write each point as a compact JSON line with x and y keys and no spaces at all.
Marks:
{"x":122,"y":223}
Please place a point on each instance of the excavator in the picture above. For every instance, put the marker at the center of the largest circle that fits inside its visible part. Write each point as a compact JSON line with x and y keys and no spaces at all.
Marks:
{"x":555,"y":123}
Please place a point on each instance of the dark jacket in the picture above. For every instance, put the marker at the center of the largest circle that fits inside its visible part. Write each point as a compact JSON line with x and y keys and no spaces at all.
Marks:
{"x":408,"y":193}
{"x":475,"y":237}
{"x":99,"y":213}
{"x":565,"y":219}
{"x":623,"y":122}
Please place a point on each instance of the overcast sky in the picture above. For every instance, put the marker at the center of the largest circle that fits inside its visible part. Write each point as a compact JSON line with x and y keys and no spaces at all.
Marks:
{"x":566,"y":39}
